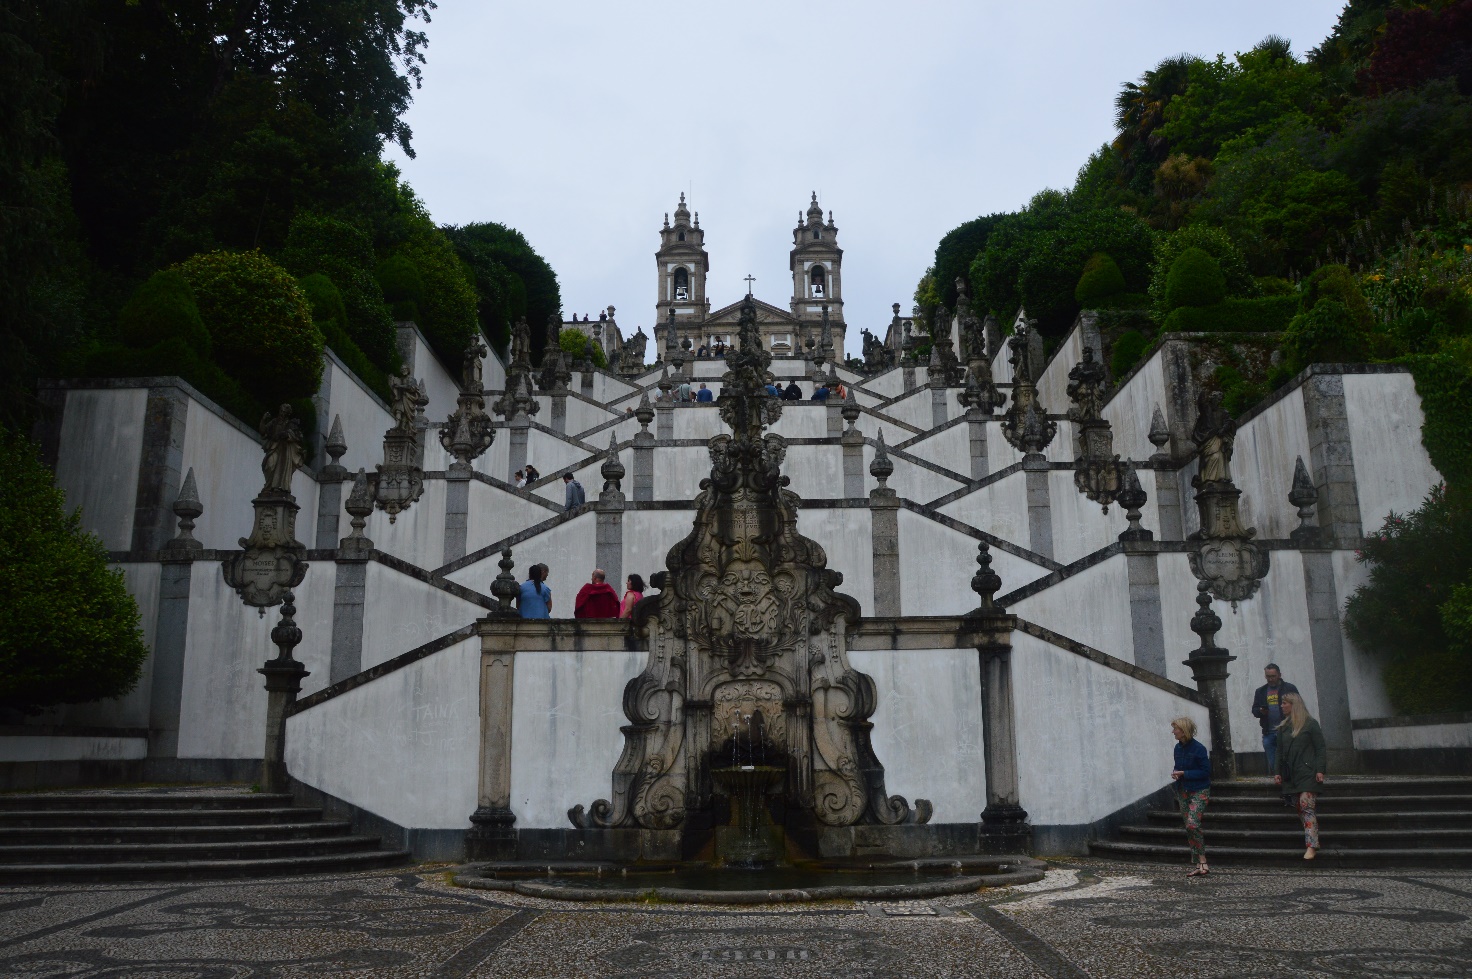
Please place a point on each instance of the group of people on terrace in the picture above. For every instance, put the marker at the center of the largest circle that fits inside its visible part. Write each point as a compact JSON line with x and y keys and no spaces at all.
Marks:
{"x":1293,"y":746}
{"x":595,"y":600}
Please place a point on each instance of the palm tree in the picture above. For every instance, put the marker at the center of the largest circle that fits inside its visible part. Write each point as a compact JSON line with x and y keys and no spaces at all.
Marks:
{"x":1139,"y":109}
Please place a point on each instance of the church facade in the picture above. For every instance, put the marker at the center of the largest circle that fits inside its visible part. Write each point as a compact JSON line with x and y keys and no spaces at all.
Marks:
{"x":684,"y":305}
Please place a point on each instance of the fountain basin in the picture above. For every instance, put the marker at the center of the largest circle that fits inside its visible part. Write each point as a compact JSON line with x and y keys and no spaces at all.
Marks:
{"x":709,"y":884}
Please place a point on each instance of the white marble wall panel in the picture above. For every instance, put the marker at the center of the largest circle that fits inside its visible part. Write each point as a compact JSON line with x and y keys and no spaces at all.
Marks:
{"x":1363,"y":668}
{"x":1392,"y":470}
{"x":929,"y":697}
{"x":1262,"y":466}
{"x":1090,"y":740}
{"x":565,"y":738}
{"x":364,"y":418}
{"x":1091,"y":607}
{"x":416,"y":535}
{"x":1080,"y":525}
{"x":1053,"y":385}
{"x":950,"y":448}
{"x":998,"y":508}
{"x":224,"y":698}
{"x":1455,"y":735}
{"x":401,"y":612}
{"x":569,"y":550}
{"x":97,"y":469}
{"x":1130,"y":409}
{"x":496,"y":514}
{"x":405,"y":747}
{"x":936,"y":565}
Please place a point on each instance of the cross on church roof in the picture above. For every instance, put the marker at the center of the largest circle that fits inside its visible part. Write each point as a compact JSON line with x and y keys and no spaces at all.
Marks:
{"x":749,"y":280}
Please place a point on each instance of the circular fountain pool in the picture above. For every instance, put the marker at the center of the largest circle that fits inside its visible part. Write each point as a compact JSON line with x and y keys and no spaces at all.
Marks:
{"x":702,"y":883}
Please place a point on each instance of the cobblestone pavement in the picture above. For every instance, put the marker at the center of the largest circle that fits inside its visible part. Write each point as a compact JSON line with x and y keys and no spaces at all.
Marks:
{"x":1088,"y":918}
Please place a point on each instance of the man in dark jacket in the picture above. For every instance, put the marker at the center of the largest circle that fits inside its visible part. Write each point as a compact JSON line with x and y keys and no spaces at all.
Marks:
{"x":1267,"y":707}
{"x":792,"y":392}
{"x":574,"y":497}
{"x":596,"y":599}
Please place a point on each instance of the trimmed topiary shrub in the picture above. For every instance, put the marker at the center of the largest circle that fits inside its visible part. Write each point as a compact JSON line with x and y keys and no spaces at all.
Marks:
{"x":163,"y":308}
{"x":260,"y":324}
{"x":447,"y":302}
{"x":318,"y":244}
{"x":329,"y":313}
{"x":68,"y":627}
{"x":579,"y":344}
{"x":1326,"y":334}
{"x":401,"y":286}
{"x":1271,"y":314}
{"x":1101,"y":280}
{"x":1195,"y":279}
{"x":1216,"y":243}
{"x":1128,"y":349}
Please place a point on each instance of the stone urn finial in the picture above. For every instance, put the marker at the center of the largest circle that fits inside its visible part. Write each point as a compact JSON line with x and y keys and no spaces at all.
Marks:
{"x":1132,"y":497}
{"x":612,"y":469}
{"x":336,"y":447}
{"x":1159,"y":436}
{"x":1205,"y":623}
{"x":644,"y":413}
{"x":188,"y":509}
{"x":881,"y":468}
{"x":505,"y":589}
{"x":986,"y":582}
{"x":1305,"y":496}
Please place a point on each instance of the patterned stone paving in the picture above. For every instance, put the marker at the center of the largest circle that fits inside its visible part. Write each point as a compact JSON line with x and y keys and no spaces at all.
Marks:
{"x":1088,"y":918}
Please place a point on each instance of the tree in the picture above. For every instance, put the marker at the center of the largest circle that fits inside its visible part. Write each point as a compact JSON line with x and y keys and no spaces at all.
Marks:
{"x":957,"y":250}
{"x":511,"y":279}
{"x":344,"y":254}
{"x":68,"y":627}
{"x":1139,"y":113}
{"x":1226,"y":99}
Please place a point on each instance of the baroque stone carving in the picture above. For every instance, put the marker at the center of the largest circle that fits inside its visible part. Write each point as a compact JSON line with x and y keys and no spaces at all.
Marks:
{"x":1025,"y":426}
{"x":469,"y":432}
{"x":400,"y":479}
{"x":747,"y":623}
{"x":270,"y":562}
{"x":1226,"y":559}
{"x":1097,"y":473}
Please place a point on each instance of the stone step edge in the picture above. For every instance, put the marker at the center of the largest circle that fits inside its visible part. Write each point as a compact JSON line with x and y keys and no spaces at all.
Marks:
{"x":120,"y":800}
{"x":1181,"y":852}
{"x":9,"y":814}
{"x":267,"y":866}
{"x":1374,"y":834}
{"x":1286,"y":813}
{"x":335,"y":825}
{"x":90,"y":849}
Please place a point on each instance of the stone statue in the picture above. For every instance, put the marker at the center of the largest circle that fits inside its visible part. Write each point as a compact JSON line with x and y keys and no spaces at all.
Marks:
{"x":521,"y":342}
{"x":407,"y":399}
{"x":281,"y":437}
{"x":1086,"y":382}
{"x":1214,"y":434}
{"x":470,"y":368}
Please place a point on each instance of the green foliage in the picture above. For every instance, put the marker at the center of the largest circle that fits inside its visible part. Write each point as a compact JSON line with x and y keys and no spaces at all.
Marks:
{"x":447,"y":305}
{"x":1270,"y":314}
{"x":1326,"y":334}
{"x":1338,"y":283}
{"x":1129,"y":347}
{"x":260,"y":324}
{"x":1239,"y":393}
{"x":1444,"y":384}
{"x":957,"y":250}
{"x":1215,"y":243}
{"x":343,"y":253}
{"x":161,"y":309}
{"x":581,"y":346}
{"x":1225,"y":98}
{"x":1195,"y":279}
{"x":69,"y":629}
{"x":329,"y":314}
{"x":511,"y":280}
{"x":1054,"y":261}
{"x":402,"y":287}
{"x":1419,"y":568}
{"x":1100,"y":281}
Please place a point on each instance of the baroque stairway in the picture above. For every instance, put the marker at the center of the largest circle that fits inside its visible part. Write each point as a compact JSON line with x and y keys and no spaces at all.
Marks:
{"x":177,"y":833}
{"x":1364,"y":821}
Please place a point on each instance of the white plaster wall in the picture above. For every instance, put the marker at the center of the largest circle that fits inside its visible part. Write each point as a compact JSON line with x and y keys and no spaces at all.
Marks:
{"x":816,"y":471}
{"x":872,"y":424}
{"x":496,"y":461}
{"x":364,"y":419}
{"x":224,"y":698}
{"x":97,"y":468}
{"x":496,"y":514}
{"x":1457,"y":735}
{"x":1392,"y":470}
{"x":582,"y":416}
{"x":909,"y":480}
{"x":913,"y":409}
{"x":928,"y":698}
{"x":550,"y":452}
{"x":1090,"y":740}
{"x":227,"y":472}
{"x":1262,"y":467}
{"x":405,"y":747}
{"x":565,"y":738}
{"x":802,"y":420}
{"x":1362,"y":668}
{"x":588,"y":473}
{"x":416,"y":535}
{"x":678,"y":470}
{"x":999,"y":452}
{"x":442,"y":387}
{"x":607,"y":388}
{"x":68,"y":748}
{"x":401,"y":613}
{"x":1001,"y":365}
{"x":950,"y":448}
{"x":1064,"y":447}
{"x":936,"y":565}
{"x":1080,"y":525}
{"x":998,"y":508}
{"x":314,"y":617}
{"x":888,"y":384}
{"x":648,"y":537}
{"x":569,"y":550}
{"x":1091,"y":607}
{"x":493,"y":373}
{"x":695,"y":422}
{"x":847,"y":536}
{"x":1130,"y":409}
{"x":1053,"y":385}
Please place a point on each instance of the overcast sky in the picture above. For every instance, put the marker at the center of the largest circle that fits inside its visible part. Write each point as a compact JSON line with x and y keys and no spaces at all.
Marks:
{"x":579,"y":124}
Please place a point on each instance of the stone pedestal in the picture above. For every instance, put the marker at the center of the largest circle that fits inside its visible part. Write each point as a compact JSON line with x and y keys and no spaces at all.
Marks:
{"x":1168,"y":504}
{"x":559,"y":410}
{"x":1327,"y":640}
{"x":609,"y":514}
{"x":643,"y":466}
{"x":664,"y":426}
{"x":1146,"y":619}
{"x":884,"y":516}
{"x":1208,"y":664}
{"x":1004,"y":827}
{"x":493,"y":835}
{"x":1039,"y":507}
{"x":976,"y":431}
{"x":939,"y":410}
{"x":283,"y":682}
{"x":853,"y":463}
{"x":167,"y":681}
{"x":457,"y":510}
{"x":519,"y":430}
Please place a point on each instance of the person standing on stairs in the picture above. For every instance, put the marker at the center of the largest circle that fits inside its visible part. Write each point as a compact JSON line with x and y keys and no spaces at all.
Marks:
{"x":1192,"y":776}
{"x":1301,"y":762}
{"x":1267,"y":707}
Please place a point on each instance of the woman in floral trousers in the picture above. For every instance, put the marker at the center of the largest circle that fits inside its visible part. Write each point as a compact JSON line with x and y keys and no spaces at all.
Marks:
{"x":1301,"y":757}
{"x":1192,"y":776}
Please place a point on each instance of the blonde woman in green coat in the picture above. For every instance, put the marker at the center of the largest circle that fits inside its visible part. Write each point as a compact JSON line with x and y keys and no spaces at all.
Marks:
{"x":1301,"y":757}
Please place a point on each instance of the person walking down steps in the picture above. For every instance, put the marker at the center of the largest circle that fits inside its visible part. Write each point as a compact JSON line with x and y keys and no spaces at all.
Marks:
{"x":1192,"y":776}
{"x":1301,"y":758}
{"x":575,"y":495}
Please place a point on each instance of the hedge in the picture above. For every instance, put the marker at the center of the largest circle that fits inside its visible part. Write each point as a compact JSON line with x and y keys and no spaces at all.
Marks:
{"x":163,"y":308}
{"x":329,"y":313}
{"x":1101,"y":279}
{"x":1195,"y":279}
{"x":1271,"y":314}
{"x":317,"y":244}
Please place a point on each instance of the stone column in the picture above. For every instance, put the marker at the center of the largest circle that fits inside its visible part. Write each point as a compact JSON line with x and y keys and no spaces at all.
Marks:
{"x":519,"y":432}
{"x":884,"y":517}
{"x":457,"y":510}
{"x":1147,"y":622}
{"x":835,"y":416}
{"x":160,"y":466}
{"x":1004,"y":827}
{"x":351,"y":586}
{"x":1167,"y":480}
{"x":166,"y":687}
{"x":1208,"y":663}
{"x":492,"y":835}
{"x":609,"y":511}
{"x":939,"y":414}
{"x":329,"y":488}
{"x":665,"y":426}
{"x":1327,"y":641}
{"x":1039,"y":507}
{"x":908,"y":373}
{"x":587,"y":384}
{"x":283,"y":682}
{"x":644,"y":452}
{"x":1332,"y":458}
{"x":976,"y":428}
{"x":559,"y":409}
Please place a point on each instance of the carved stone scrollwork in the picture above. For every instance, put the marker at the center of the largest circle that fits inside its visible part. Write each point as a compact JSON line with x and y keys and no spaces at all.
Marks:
{"x":1227,"y":558}
{"x":1098,"y":473}
{"x":1025,"y":426}
{"x":747,"y":623}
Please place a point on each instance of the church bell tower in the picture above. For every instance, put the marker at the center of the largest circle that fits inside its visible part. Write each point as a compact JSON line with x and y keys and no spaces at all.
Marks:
{"x":816,"y":279}
{"x":683,"y":267}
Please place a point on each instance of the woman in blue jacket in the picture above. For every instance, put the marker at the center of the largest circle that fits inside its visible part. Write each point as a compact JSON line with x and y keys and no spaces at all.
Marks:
{"x":1192,"y":776}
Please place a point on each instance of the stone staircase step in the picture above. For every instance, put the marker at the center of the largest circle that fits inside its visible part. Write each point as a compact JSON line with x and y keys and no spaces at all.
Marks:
{"x":1352,"y":785}
{"x":66,"y":801}
{"x":153,"y":817}
{"x":41,"y":873}
{"x":1352,"y":803}
{"x":96,"y":853}
{"x":1329,"y":857}
{"x":1287,"y":817}
{"x":1292,"y":837}
{"x":144,"y":835}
